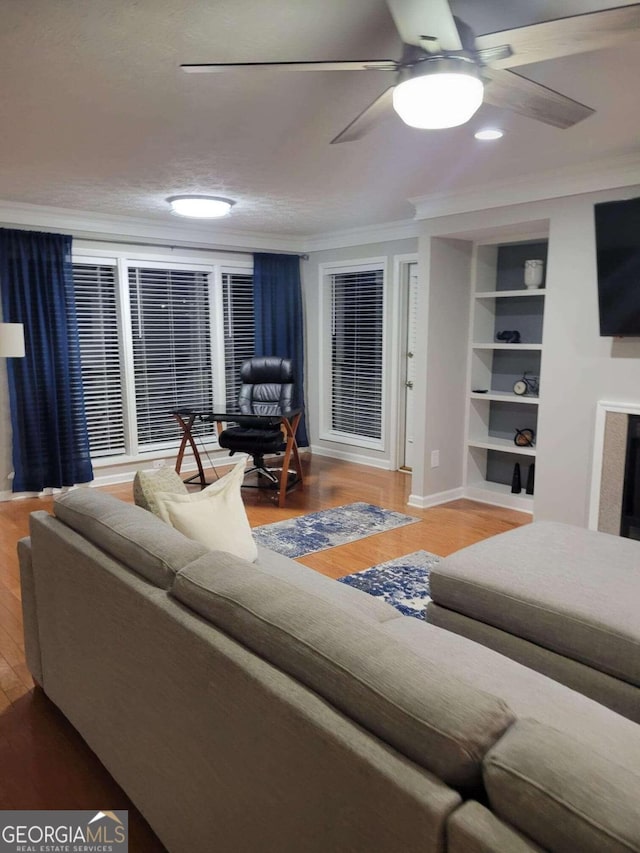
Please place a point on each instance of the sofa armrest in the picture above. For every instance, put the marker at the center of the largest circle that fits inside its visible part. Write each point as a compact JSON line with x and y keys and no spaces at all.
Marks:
{"x":29,"y":610}
{"x":546,"y":785}
{"x":474,"y":829}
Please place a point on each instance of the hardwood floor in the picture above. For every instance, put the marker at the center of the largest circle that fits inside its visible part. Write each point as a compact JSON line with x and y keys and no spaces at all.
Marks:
{"x":46,"y":765}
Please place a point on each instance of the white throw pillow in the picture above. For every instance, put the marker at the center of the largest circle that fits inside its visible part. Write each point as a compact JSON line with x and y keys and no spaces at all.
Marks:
{"x":215,"y":517}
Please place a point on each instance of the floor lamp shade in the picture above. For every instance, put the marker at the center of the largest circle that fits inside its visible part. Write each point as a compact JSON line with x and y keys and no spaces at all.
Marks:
{"x":11,"y":340}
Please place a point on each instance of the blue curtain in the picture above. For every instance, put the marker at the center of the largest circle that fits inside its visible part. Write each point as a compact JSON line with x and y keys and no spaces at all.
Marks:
{"x":277,"y":302}
{"x":50,"y":441}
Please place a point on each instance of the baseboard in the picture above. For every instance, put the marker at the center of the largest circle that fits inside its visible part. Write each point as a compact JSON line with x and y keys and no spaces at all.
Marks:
{"x":345,"y":456}
{"x":188,"y":466}
{"x":424,"y":501}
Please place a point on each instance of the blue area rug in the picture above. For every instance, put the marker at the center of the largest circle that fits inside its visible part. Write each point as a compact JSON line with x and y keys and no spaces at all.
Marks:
{"x":403,"y":582}
{"x":328,"y":528}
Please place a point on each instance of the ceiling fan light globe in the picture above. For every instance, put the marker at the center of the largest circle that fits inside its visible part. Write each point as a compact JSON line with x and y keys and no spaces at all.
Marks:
{"x":438,"y":100}
{"x":200,"y":207}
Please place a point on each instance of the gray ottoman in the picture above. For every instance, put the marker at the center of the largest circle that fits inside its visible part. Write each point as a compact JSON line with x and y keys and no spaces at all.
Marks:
{"x":560,"y":599}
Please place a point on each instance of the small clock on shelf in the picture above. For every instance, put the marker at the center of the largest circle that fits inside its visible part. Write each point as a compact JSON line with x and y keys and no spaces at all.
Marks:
{"x":526,"y":385}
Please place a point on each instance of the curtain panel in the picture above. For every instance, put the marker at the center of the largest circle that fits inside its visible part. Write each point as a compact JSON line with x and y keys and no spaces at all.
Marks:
{"x":50,"y":443}
{"x":277,"y":299}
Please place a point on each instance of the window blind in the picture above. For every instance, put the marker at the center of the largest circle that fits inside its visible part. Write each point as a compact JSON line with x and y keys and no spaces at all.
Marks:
{"x":96,"y":307}
{"x":357,"y":302}
{"x":239,"y":328}
{"x":171,"y":334}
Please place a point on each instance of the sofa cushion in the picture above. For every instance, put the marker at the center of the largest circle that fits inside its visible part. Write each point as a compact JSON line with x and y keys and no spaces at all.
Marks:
{"x":620,"y":696}
{"x":132,"y":535}
{"x":435,"y":719}
{"x":215,"y":516}
{"x":553,"y":584}
{"x":527,"y":693}
{"x":148,"y":484}
{"x":307,"y":580}
{"x":564,"y":796}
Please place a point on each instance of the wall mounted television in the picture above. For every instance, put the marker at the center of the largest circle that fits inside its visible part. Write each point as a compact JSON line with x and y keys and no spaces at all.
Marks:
{"x":618,"y":255}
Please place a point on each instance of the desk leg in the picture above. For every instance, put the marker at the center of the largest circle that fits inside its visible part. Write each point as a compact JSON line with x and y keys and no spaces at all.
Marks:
{"x":187,"y":437}
{"x":291,"y":448}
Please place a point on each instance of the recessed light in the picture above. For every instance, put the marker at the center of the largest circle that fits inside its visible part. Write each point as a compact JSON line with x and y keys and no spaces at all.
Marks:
{"x":200,"y":206}
{"x":489,"y":133}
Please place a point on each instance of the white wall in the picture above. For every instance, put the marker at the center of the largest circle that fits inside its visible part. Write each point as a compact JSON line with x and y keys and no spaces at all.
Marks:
{"x":390,"y":250}
{"x":578,"y":366}
{"x":443,"y":304}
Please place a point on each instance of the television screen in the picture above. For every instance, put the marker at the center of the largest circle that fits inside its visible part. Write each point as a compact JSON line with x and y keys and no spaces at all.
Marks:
{"x":618,"y":253}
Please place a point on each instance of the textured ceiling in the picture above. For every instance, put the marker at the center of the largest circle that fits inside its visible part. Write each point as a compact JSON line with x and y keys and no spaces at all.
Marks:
{"x":95,"y":114}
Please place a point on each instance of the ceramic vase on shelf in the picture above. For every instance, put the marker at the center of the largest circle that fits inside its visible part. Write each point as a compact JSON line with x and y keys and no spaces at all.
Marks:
{"x":533,"y":274}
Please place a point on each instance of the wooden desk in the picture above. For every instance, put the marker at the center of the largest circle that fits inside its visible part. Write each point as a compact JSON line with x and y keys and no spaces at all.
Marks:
{"x":287,"y":419}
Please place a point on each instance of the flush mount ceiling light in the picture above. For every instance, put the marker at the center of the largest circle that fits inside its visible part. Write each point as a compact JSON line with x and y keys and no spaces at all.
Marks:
{"x":439,"y":92}
{"x":200,"y":206}
{"x":489,"y":133}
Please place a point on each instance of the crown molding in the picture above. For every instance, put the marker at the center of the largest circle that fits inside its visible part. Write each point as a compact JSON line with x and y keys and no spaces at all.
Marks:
{"x":362,"y":235}
{"x":586,"y":178}
{"x":88,"y":225}
{"x":93,"y":226}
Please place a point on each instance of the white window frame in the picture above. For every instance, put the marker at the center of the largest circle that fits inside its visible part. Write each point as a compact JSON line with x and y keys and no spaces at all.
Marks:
{"x":226,"y":270}
{"x":122,"y":260}
{"x":326,"y":430}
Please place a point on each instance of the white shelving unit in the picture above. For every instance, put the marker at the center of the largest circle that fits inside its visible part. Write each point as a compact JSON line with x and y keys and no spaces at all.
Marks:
{"x":500,"y":301}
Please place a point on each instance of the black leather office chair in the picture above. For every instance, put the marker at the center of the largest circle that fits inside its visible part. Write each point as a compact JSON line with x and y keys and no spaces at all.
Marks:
{"x":267,"y":388}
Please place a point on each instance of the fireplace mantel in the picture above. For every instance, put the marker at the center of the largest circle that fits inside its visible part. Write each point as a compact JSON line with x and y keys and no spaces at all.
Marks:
{"x":598,"y":485}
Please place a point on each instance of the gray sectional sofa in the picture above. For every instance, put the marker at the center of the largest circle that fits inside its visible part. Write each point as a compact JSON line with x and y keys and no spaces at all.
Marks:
{"x":263,"y":708}
{"x":560,"y":599}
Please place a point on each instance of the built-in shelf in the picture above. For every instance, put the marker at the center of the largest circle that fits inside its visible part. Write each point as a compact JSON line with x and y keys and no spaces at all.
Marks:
{"x":522,"y":346}
{"x":506,"y":398}
{"x":502,"y":294}
{"x":500,"y":303}
{"x":505,"y":445}
{"x":498,"y":493}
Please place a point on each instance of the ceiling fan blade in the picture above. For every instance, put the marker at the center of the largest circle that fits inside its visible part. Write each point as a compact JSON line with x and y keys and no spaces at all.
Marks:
{"x":513,"y":92}
{"x":370,"y":116}
{"x":566,"y":36}
{"x":426,"y":23}
{"x":349,"y":65}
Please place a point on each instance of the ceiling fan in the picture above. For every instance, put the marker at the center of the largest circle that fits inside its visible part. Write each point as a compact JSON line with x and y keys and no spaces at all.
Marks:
{"x":446,"y":72}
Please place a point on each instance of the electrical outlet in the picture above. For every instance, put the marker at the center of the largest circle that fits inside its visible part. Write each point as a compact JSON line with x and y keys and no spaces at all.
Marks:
{"x":435,"y":458}
{"x":159,"y":463}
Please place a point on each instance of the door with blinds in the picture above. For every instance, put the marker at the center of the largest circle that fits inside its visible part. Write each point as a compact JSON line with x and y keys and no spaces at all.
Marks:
{"x":171,"y":343}
{"x":239,"y":329}
{"x":356,"y":356}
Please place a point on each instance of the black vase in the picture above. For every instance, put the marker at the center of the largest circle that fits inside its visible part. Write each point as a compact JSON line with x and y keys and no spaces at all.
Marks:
{"x":516,"y":480}
{"x":531,"y":474}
